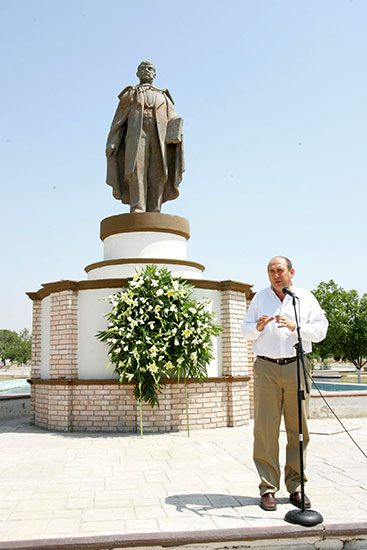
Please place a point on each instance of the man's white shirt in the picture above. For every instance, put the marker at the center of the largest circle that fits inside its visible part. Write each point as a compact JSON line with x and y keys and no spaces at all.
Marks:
{"x":277,"y":342}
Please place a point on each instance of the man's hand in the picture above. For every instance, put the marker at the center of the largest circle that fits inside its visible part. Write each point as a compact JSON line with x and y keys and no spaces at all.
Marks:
{"x":111,"y":150}
{"x":284,"y":322}
{"x":262,"y":322}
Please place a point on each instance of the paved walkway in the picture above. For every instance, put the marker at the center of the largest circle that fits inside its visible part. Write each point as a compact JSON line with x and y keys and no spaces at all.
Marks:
{"x":63,"y":485}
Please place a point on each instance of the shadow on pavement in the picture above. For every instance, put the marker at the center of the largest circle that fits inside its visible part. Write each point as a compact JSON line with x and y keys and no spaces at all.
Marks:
{"x":200,"y":504}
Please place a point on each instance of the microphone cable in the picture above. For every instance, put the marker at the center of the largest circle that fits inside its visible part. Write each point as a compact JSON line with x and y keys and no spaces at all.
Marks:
{"x":334,"y":413}
{"x":318,"y":389}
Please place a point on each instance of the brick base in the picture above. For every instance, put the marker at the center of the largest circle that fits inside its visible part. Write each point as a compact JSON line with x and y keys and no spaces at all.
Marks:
{"x":106,"y":406}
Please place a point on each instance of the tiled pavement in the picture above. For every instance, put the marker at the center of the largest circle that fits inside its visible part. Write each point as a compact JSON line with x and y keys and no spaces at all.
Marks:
{"x":64,"y":485}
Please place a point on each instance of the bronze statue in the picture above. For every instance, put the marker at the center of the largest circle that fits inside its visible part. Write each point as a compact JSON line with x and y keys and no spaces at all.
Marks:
{"x":144,"y":149}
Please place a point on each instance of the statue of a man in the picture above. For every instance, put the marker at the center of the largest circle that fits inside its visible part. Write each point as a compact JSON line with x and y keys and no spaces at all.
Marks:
{"x":144,"y":149}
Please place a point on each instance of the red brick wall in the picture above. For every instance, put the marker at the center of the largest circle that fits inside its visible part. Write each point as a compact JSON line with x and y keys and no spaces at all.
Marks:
{"x":36,"y":350}
{"x":113,"y":408}
{"x":63,"y":334}
{"x":36,"y":339}
{"x":67,"y":404}
{"x":234,"y":349}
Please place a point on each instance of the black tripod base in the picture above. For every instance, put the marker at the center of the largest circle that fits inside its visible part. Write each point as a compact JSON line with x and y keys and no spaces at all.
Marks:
{"x":307,"y":518}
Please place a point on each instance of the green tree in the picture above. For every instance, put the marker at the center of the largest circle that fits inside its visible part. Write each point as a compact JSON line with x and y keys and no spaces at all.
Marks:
{"x":24,"y":346}
{"x":15,"y":346}
{"x":7,"y":341}
{"x":331,"y":298}
{"x":347,"y":335}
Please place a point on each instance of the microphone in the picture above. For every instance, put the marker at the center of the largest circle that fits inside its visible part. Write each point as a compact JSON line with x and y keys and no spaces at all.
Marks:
{"x":286,"y":290}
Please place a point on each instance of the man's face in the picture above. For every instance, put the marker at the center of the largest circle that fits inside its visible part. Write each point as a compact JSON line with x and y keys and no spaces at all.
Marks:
{"x":279,"y":274}
{"x":146,"y":73}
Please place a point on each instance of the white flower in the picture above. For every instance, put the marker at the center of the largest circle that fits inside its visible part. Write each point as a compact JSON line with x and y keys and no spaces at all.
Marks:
{"x":126,"y":348}
{"x":192,"y":309}
{"x":153,"y":367}
{"x":170,"y":292}
{"x":117,"y":350}
{"x":168,"y":365}
{"x":180,"y":360}
{"x":129,"y":376}
{"x":136,"y":276}
{"x":154,"y":282}
{"x":186,"y":332}
{"x":160,"y":292}
{"x":153,"y":351}
{"x":193,"y":355}
{"x":173,"y":308}
{"x":177,"y":343}
{"x":174,"y":330}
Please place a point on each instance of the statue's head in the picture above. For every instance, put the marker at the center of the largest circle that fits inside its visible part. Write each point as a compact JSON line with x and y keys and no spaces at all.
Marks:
{"x":146,"y":72}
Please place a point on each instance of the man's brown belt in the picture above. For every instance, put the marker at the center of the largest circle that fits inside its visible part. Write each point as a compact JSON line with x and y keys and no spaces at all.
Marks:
{"x":283,"y":361}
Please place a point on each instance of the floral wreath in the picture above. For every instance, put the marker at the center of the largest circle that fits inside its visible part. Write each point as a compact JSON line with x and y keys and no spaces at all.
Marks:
{"x":157,"y":330}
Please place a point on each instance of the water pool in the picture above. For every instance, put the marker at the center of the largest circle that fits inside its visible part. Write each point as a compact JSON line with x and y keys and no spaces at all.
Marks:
{"x":338,"y":386}
{"x":10,"y":387}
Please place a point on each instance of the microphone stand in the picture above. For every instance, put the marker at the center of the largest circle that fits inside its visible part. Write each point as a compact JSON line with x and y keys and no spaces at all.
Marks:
{"x":307,"y":518}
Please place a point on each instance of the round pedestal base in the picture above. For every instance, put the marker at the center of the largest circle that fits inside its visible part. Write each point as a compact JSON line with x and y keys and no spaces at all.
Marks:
{"x":306,"y":518}
{"x":131,"y":241}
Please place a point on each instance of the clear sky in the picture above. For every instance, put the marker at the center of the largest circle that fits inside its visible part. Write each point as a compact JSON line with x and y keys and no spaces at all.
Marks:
{"x":274,"y":100}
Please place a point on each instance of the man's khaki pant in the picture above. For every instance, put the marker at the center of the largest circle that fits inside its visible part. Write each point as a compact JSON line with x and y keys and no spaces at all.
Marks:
{"x":276,"y":393}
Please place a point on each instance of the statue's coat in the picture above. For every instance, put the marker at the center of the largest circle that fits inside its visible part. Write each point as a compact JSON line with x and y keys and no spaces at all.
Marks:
{"x":125,"y":133}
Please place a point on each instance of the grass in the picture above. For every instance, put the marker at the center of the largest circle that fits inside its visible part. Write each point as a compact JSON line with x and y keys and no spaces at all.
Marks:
{"x":353,"y":379}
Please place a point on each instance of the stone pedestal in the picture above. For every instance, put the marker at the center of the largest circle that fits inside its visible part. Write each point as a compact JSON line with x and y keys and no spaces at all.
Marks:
{"x":131,"y":241}
{"x":71,"y":388}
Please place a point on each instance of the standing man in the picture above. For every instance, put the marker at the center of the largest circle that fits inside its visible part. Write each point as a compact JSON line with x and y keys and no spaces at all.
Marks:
{"x":144,"y":147}
{"x":270,"y":324}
